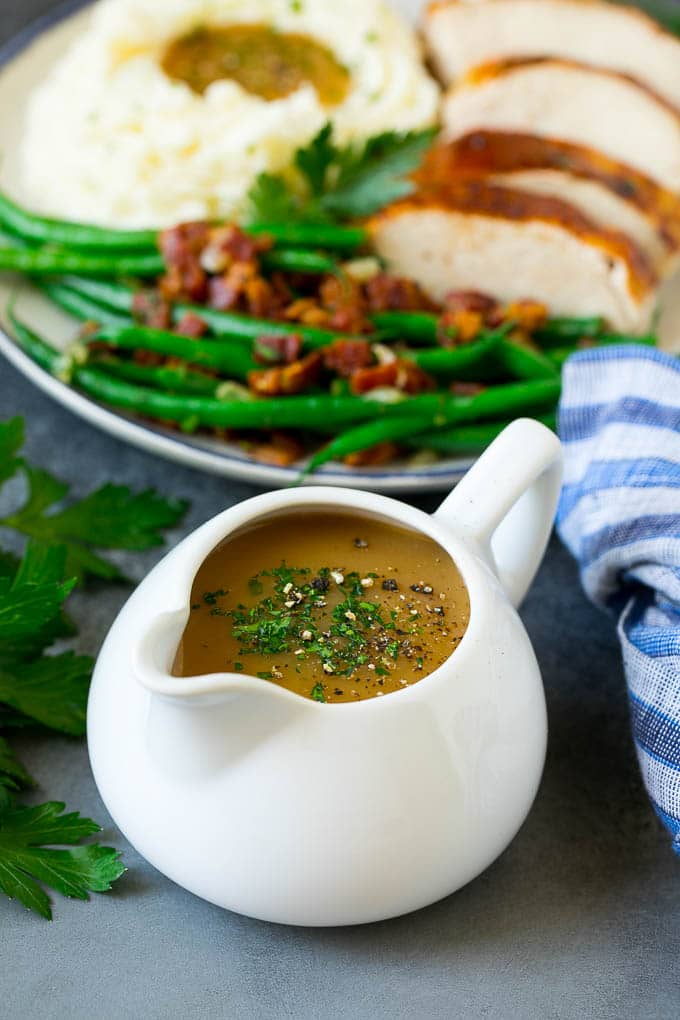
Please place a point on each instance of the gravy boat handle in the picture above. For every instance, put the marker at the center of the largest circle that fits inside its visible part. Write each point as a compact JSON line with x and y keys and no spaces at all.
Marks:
{"x":506,"y":502}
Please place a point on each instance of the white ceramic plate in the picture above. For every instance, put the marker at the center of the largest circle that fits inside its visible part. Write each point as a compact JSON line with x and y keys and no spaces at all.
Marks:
{"x":23,"y":62}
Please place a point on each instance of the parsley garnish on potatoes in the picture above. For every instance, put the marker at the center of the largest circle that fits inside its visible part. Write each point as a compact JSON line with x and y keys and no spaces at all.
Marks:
{"x":329,"y":183}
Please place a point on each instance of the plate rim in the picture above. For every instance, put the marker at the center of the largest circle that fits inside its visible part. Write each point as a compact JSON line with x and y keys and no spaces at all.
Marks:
{"x":154,"y":439}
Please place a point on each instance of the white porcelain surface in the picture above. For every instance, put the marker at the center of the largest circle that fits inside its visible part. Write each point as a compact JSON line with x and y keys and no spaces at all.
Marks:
{"x":23,"y":68}
{"x":284,"y":809}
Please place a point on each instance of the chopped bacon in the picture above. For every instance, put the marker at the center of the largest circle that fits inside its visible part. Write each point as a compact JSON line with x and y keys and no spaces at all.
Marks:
{"x":229,"y":244}
{"x":288,"y":379}
{"x":281,"y":349}
{"x":191,"y":325}
{"x":466,"y":389}
{"x":187,"y":240}
{"x":401,"y":374}
{"x":345,"y":357}
{"x":224,"y":292}
{"x":529,"y":315}
{"x":457,"y":328}
{"x":149,"y":308}
{"x":307,"y":311}
{"x":281,"y":450}
{"x":181,"y":247}
{"x":395,"y":293}
{"x":344,"y":302}
{"x":382,"y":453}
{"x":262,"y":299}
{"x":150,"y":358}
{"x":470,"y":301}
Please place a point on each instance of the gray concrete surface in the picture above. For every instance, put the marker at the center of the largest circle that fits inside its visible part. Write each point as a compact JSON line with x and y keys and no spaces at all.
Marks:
{"x":580,"y":918}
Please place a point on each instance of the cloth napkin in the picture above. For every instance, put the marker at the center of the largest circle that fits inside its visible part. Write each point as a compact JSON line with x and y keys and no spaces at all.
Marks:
{"x":619,"y":515}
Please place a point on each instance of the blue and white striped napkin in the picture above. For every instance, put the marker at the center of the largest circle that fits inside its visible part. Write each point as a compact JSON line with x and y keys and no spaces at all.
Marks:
{"x":619,"y":515}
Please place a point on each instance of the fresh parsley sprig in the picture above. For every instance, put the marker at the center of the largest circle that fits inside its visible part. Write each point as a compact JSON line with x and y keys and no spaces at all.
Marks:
{"x":330,"y":183}
{"x":50,"y":690}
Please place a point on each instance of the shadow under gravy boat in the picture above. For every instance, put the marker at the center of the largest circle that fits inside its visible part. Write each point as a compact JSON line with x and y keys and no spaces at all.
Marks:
{"x":288,"y":810}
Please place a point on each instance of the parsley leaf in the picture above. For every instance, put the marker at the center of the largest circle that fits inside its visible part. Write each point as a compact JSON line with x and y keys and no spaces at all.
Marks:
{"x":272,"y":201}
{"x":51,"y":690}
{"x":329,"y":183}
{"x":315,"y":161}
{"x":375,"y":174}
{"x":113,"y":517}
{"x":28,"y":836}
{"x":13,"y":776}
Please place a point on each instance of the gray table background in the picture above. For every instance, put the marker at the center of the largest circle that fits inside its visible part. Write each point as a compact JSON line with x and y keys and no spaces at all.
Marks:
{"x":579,"y":918}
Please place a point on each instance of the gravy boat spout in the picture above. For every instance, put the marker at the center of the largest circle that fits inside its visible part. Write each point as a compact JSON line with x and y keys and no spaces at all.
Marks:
{"x":199,"y":725}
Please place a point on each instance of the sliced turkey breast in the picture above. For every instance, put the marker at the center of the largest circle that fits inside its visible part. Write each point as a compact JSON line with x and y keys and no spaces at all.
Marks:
{"x":601,"y":110}
{"x":613,"y":195}
{"x":463,"y":33}
{"x":515,"y":245}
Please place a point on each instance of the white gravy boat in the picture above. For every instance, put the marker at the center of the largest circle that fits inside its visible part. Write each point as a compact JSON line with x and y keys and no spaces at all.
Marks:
{"x":288,"y":810}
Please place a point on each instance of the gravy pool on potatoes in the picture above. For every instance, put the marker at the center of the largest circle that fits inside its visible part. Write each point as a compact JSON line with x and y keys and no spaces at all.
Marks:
{"x":333,"y":606}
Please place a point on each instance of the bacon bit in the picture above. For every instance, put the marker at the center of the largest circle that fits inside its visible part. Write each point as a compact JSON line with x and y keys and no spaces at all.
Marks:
{"x":470,"y":301}
{"x":529,"y":315}
{"x":282,"y":349}
{"x":343,"y":300}
{"x":262,"y":299}
{"x":224,"y":292}
{"x":191,"y":325}
{"x":467,"y":389}
{"x":149,"y":308}
{"x":282,"y":381}
{"x":375,"y":456}
{"x":457,"y":328}
{"x":402,"y":374}
{"x":229,"y":244}
{"x":187,"y":240}
{"x":281,"y":451}
{"x":150,"y":358}
{"x":394,"y":293}
{"x":345,"y":357}
{"x":181,"y":248}
{"x":307,"y":311}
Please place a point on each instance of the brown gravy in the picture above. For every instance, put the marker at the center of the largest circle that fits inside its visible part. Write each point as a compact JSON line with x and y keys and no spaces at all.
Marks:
{"x":264,"y":62}
{"x":333,"y":606}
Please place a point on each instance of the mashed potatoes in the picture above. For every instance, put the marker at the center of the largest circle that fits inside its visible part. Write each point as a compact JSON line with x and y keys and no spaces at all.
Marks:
{"x":110,"y":138}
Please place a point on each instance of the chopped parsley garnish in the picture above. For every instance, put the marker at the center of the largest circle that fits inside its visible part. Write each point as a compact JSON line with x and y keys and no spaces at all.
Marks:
{"x":323,"y":619}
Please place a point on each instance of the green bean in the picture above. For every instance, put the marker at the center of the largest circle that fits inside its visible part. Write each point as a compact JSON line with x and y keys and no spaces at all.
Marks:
{"x":491,"y":403}
{"x":233,"y":324}
{"x":80,"y":306}
{"x":449,"y":361}
{"x":41,"y":353}
{"x":315,"y":410}
{"x":291,"y":260}
{"x":469,"y":438}
{"x":247,"y":327}
{"x":117,"y":296}
{"x":233,"y":358}
{"x":43,"y":230}
{"x":521,"y":362}
{"x":311,"y":235}
{"x":563,"y":328}
{"x":56,"y":261}
{"x":223,"y":324}
{"x":162,"y":377}
{"x":416,"y":327}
